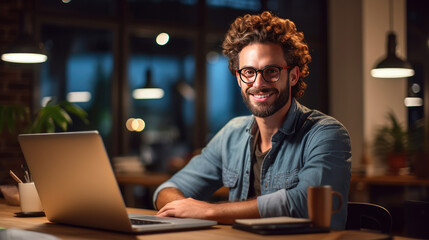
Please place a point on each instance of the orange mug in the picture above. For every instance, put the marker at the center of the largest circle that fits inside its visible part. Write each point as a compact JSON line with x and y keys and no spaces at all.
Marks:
{"x":319,"y":203}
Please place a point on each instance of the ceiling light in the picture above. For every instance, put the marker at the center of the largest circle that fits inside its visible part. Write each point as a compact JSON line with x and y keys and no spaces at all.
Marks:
{"x":162,"y":39}
{"x":392,"y":66}
{"x":79,"y":97}
{"x":148,"y":91}
{"x":413,"y":102}
{"x":25,"y":49}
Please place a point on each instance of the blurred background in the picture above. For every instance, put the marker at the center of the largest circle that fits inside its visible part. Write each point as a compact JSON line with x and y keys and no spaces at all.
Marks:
{"x":104,"y":56}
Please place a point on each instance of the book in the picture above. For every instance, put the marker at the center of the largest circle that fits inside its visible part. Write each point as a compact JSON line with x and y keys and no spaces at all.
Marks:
{"x":277,"y":225}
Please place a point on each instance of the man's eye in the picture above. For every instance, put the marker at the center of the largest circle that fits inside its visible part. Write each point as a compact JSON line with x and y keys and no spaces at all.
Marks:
{"x":271,"y":70}
{"x":249,"y":71}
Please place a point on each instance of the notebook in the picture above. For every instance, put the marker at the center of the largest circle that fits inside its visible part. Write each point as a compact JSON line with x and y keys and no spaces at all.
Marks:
{"x":77,"y":186}
{"x":278,"y":225}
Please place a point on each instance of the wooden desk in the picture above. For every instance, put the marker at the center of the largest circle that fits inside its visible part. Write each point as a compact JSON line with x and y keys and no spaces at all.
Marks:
{"x":224,"y":232}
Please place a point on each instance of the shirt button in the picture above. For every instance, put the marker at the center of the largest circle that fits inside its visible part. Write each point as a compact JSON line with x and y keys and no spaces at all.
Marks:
{"x":247,"y":171}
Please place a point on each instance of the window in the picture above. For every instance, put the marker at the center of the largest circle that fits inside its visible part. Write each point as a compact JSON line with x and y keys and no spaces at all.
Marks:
{"x":168,"y":119}
{"x":79,"y":69}
{"x":104,"y":50}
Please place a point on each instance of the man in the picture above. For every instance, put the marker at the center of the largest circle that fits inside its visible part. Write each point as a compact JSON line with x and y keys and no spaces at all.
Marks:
{"x":267,"y":160}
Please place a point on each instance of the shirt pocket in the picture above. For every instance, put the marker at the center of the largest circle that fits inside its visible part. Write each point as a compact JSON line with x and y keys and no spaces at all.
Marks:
{"x":229,"y":177}
{"x":285,"y":180}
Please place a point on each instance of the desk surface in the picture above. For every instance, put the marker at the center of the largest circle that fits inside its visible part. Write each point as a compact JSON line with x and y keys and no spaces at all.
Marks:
{"x":224,"y":232}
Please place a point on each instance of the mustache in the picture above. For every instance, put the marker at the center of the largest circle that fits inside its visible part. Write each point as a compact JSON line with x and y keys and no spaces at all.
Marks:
{"x":262,"y":90}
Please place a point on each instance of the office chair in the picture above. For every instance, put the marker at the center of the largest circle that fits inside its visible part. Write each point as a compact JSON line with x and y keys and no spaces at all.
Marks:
{"x":368,"y":216}
{"x":416,"y":219}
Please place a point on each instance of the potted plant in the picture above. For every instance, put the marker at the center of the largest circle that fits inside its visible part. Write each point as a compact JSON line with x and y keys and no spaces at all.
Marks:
{"x":48,"y":119}
{"x":391,"y":144}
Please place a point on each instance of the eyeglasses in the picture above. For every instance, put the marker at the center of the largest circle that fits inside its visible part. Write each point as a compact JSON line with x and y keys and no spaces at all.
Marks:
{"x":270,"y":73}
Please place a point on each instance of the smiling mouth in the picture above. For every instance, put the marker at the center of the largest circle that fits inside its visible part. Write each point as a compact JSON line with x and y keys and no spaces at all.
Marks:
{"x":266,"y":95}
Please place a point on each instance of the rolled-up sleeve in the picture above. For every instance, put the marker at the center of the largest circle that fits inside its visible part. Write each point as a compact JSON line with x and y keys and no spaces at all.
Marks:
{"x":162,"y":186}
{"x":270,"y":205}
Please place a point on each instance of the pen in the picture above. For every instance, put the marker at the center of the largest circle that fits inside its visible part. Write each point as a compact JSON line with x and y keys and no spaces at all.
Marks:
{"x":26,"y":174}
{"x":14,"y":176}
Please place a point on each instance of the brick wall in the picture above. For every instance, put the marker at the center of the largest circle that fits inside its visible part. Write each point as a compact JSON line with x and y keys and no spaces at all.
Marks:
{"x":15,"y":86}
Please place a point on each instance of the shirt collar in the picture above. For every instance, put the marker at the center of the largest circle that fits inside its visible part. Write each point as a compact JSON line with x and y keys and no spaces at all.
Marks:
{"x":289,"y":124}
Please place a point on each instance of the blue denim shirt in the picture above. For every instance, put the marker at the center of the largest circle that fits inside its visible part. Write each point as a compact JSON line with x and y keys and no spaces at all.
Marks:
{"x":310,"y":149}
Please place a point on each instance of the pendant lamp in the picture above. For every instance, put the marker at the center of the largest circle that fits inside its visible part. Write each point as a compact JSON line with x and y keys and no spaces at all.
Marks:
{"x":392,"y":66}
{"x":25,"y":49}
{"x":148,"y":91}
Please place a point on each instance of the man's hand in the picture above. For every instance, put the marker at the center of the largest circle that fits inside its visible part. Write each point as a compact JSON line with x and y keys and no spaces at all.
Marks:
{"x":188,"y":208}
{"x":172,"y":203}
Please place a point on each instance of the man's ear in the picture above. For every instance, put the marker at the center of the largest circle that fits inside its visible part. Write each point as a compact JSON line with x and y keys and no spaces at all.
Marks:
{"x":294,"y":75}
{"x":237,"y":75}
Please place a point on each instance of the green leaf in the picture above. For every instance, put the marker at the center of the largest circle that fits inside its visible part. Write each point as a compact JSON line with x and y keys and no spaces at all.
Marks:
{"x":76,"y":110}
{"x":60,"y":117}
{"x":39,"y":121}
{"x":46,"y":120}
{"x":50,"y":126}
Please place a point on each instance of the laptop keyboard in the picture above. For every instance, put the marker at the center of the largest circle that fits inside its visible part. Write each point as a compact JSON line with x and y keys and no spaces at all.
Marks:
{"x":144,"y":222}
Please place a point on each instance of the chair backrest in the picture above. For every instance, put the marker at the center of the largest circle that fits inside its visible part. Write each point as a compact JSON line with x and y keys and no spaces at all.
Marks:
{"x":368,"y":216}
{"x":416,"y":219}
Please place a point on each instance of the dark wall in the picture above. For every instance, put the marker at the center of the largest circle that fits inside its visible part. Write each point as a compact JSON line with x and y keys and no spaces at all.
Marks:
{"x":16,"y":83}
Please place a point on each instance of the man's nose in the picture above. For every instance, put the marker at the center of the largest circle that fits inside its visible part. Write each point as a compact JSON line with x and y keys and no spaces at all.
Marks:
{"x":259,"y":81}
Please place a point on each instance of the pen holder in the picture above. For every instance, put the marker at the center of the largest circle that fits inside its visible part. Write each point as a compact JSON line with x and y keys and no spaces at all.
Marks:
{"x":29,"y":198}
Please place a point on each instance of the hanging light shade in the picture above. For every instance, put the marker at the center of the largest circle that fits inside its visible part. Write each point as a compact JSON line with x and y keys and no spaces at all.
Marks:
{"x":392,"y":66}
{"x":149,"y":91}
{"x":25,"y":49}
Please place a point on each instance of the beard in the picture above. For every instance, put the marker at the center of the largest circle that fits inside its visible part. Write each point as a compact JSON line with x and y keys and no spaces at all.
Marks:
{"x":265,"y":109}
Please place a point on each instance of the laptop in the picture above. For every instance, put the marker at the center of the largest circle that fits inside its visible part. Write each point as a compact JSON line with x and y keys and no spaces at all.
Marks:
{"x":77,"y":186}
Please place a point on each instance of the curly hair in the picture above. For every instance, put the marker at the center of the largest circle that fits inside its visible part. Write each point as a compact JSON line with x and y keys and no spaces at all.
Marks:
{"x":267,"y":28}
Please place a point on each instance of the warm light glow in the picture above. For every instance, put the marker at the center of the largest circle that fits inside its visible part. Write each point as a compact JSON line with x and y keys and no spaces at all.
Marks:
{"x":135,"y":124}
{"x":148,"y":93}
{"x":66,"y":1}
{"x":78,"y":96}
{"x":162,"y":39}
{"x":128,"y":124}
{"x":413,"y":102}
{"x":24,"y":57}
{"x":392,"y":72}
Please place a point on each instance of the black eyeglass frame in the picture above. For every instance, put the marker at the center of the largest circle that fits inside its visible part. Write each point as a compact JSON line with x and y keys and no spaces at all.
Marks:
{"x":262,"y":73}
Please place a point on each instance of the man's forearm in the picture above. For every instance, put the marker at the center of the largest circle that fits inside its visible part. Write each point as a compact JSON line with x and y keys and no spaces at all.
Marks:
{"x":167,"y":195}
{"x":222,"y":212}
{"x":227,"y":212}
